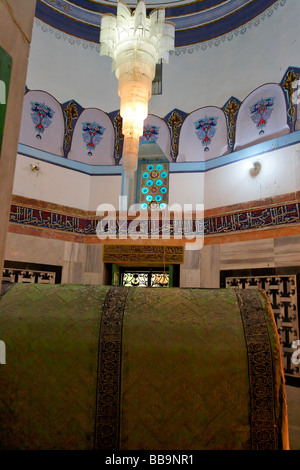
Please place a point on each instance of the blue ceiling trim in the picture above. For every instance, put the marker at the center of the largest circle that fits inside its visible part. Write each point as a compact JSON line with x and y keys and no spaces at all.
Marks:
{"x":209,"y":16}
{"x":191,"y":8}
{"x":180,"y":10}
{"x":67,"y":24}
{"x":181,"y":22}
{"x":222,"y":26}
{"x":92,"y":6}
{"x":183,"y":37}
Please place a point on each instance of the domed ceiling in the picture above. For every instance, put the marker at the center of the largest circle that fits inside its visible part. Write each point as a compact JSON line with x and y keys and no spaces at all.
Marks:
{"x":195,"y":22}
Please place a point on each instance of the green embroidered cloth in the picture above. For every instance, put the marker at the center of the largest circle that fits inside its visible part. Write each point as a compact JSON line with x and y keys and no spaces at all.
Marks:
{"x":127,"y":368}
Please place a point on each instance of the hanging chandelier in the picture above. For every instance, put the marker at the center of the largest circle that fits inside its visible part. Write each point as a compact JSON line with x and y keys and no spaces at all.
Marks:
{"x":135,"y":43}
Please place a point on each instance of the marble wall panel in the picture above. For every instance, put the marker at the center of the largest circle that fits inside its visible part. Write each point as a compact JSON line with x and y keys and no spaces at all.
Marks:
{"x":73,"y":252}
{"x":189,"y":277}
{"x":71,"y":273}
{"x":210,"y":266}
{"x":190,"y":269}
{"x":287,"y":251}
{"x":248,"y":254}
{"x":92,"y":278}
{"x":30,"y":249}
{"x":93,"y":258}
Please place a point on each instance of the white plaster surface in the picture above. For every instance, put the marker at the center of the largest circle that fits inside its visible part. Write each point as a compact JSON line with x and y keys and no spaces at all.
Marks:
{"x":190,"y":80}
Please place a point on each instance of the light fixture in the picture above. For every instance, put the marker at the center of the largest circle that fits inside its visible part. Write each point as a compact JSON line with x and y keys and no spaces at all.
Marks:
{"x":255,"y":169}
{"x":34,"y":168}
{"x":135,"y":43}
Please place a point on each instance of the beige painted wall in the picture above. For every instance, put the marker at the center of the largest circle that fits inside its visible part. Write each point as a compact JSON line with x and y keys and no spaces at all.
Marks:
{"x":16,"y":20}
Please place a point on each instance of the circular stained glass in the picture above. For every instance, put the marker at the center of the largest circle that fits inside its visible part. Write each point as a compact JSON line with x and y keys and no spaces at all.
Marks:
{"x":150,"y":167}
{"x":163,"y":189}
{"x":145,"y":175}
{"x":159,"y":167}
{"x":145,"y":190}
{"x":158,"y":198}
{"x":149,"y":183}
{"x":149,"y":198}
{"x":144,"y":205}
{"x":164,"y":174}
{"x":158,"y":182}
{"x":162,"y":205}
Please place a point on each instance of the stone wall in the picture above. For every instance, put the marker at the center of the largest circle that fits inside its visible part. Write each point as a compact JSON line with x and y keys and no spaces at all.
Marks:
{"x":16,"y":20}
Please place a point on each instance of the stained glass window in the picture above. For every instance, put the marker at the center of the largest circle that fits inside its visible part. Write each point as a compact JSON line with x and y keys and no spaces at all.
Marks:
{"x":154,"y":183}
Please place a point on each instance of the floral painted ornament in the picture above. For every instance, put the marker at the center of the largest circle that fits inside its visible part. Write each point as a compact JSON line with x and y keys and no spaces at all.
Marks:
{"x":41,"y":116}
{"x":205,"y":130}
{"x":150,"y":134}
{"x":261,"y":112}
{"x":92,"y":134}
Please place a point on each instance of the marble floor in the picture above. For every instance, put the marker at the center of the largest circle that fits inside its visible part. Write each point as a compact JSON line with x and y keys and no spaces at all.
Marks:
{"x":293,"y":404}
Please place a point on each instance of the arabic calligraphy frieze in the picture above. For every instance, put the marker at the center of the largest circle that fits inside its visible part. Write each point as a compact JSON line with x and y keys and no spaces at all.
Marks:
{"x":254,"y":219}
{"x":51,"y":220}
{"x":142,"y":253}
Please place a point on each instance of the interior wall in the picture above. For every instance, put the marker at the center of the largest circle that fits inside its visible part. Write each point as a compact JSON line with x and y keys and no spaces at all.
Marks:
{"x":105,"y":189}
{"x":279,"y":174}
{"x":186,"y":188}
{"x":63,"y":186}
{"x":51,"y":183}
{"x":207,"y":77}
{"x":233,"y":68}
{"x":81,"y":264}
{"x":267,"y":253}
{"x":16,"y":19}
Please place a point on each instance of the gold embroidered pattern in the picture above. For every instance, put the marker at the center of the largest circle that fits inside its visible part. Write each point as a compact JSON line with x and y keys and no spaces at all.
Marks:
{"x":108,"y":378}
{"x":261,"y":382}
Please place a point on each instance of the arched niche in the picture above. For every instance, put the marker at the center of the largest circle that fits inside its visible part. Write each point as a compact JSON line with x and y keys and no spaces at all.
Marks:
{"x":262,"y":116}
{"x":42,"y":124}
{"x":203,"y":135}
{"x":155,"y":141}
{"x":156,"y":131}
{"x":93,"y":138}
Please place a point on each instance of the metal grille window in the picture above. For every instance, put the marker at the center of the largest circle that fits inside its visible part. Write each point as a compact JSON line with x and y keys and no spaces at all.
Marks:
{"x":145,"y":279}
{"x":17,"y":272}
{"x":282,"y":286}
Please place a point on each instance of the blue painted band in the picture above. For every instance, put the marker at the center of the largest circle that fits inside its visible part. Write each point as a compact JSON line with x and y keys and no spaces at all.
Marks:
{"x":191,"y":35}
